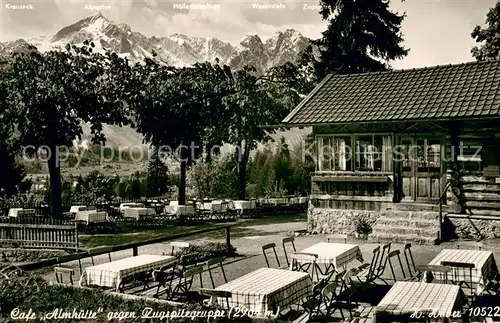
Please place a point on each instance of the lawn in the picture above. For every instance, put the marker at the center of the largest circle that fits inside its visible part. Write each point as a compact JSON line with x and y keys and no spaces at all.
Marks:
{"x":241,"y":229}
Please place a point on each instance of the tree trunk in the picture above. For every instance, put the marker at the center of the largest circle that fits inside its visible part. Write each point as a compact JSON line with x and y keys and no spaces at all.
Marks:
{"x":242,"y":172}
{"x":181,"y":199}
{"x":55,"y":183}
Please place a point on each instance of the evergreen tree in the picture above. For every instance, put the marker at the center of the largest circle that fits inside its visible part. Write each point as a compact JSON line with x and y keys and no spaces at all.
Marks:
{"x":362,"y":35}
{"x":157,"y":176}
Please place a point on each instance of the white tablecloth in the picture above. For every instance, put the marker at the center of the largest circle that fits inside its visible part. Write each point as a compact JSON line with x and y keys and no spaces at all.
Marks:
{"x":485,"y":266}
{"x":92,"y":216}
{"x":179,"y":209}
{"x":244,"y":205}
{"x":267,"y":288}
{"x":112,"y":273}
{"x":405,"y":298}
{"x":278,"y":201}
{"x":18,"y":212}
{"x":137,"y":213}
{"x":338,"y":254}
{"x":77,"y":208}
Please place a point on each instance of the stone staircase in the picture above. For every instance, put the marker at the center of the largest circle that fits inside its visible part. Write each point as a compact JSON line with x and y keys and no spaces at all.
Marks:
{"x":407,"y":222}
{"x":483,"y":197}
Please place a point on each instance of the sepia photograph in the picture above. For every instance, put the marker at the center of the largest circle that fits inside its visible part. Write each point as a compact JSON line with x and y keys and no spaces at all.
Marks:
{"x":250,"y":161}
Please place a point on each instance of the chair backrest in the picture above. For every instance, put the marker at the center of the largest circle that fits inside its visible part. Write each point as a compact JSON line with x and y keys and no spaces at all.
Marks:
{"x":318,"y":287}
{"x":339,"y":277}
{"x":337,"y":237}
{"x":188,"y":260}
{"x":212,"y":263}
{"x":192,"y":271}
{"x":60,"y":271}
{"x":178,"y":244}
{"x":284,"y":242}
{"x":470,"y":245}
{"x":270,"y":246}
{"x":304,"y":262}
{"x":329,"y":294}
{"x":410,"y":263}
{"x":395,"y":254}
{"x":435,"y":269}
{"x":461,"y":272}
{"x":386,"y":249}
{"x":374,"y":262}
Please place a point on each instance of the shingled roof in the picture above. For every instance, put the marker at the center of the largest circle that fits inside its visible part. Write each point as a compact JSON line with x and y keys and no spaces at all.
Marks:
{"x":469,"y":90}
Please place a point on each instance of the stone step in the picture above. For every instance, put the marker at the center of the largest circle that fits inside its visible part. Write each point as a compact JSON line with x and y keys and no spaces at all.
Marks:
{"x":411,"y":223}
{"x":387,"y":237}
{"x":482,"y":205}
{"x":413,"y":207}
{"x":410,"y":215}
{"x":481,"y":187}
{"x":402,"y":230}
{"x":482,"y":196}
{"x":486,"y":212}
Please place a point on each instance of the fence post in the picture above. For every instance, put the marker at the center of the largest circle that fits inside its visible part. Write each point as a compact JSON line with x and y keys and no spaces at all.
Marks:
{"x":228,"y":238}
{"x":76,"y":236}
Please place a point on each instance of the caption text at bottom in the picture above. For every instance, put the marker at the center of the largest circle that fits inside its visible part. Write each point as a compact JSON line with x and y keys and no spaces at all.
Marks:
{"x":147,"y":313}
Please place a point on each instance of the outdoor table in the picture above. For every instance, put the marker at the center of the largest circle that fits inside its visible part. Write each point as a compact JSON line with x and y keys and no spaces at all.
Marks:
{"x":91,"y":216}
{"x":112,"y":273}
{"x":138,"y":212}
{"x":77,"y":208}
{"x":267,"y":289}
{"x":303,"y":199}
{"x":410,"y":301}
{"x":19,"y":212}
{"x":334,"y":255}
{"x":179,"y":209}
{"x":485,"y":266}
{"x":244,"y":205}
{"x":278,"y":201}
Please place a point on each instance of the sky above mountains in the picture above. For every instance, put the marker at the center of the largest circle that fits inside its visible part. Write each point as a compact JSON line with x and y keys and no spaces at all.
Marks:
{"x":436,"y":31}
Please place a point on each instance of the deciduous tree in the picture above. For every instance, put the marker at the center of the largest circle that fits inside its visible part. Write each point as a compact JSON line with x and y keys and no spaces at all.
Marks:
{"x":488,"y":36}
{"x":54,"y":92}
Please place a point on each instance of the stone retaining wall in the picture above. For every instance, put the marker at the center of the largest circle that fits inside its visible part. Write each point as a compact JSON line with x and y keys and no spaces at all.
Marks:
{"x":321,"y":220}
{"x":464,"y":229}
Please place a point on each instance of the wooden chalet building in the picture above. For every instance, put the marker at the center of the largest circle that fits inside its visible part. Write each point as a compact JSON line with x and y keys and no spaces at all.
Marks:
{"x":389,"y":144}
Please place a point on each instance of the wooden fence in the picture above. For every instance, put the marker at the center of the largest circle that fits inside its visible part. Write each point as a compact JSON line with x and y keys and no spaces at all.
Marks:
{"x":36,"y":232}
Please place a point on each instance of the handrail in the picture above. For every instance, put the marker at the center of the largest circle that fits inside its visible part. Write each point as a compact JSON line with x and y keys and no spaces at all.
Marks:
{"x":440,"y":203}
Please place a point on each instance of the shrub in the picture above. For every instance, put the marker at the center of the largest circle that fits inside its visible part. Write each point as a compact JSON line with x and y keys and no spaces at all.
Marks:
{"x":32,"y":292}
{"x":362,"y":226}
{"x":208,"y":250}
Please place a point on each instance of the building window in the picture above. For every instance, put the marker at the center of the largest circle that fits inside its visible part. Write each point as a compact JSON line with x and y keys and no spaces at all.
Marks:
{"x":334,"y":153}
{"x":373,"y":153}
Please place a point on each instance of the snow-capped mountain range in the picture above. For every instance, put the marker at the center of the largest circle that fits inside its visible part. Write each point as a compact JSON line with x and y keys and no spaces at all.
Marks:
{"x":176,"y":49}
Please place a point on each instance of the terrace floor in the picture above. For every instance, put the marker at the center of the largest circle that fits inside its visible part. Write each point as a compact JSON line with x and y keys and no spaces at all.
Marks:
{"x":249,"y":237}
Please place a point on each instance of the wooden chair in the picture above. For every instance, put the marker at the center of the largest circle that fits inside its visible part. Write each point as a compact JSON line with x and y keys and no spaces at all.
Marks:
{"x":394,"y":254}
{"x":178,"y":244}
{"x":380,"y":270}
{"x":186,"y":281}
{"x":164,"y":278}
{"x":267,"y":247}
{"x":333,"y":302}
{"x":461,"y":274}
{"x":409,"y":260}
{"x":284,"y":242}
{"x":312,"y":304}
{"x":98,"y":251}
{"x":366,"y":273}
{"x":305,"y":262}
{"x":337,"y":237}
{"x":349,"y":290}
{"x":215,"y":294}
{"x":474,"y":245}
{"x":60,"y":264}
{"x":214,"y":263}
{"x":61,"y":271}
{"x":435,"y":269}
